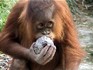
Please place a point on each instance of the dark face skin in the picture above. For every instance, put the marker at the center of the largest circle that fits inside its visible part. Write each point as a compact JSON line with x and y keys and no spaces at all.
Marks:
{"x":43,"y":22}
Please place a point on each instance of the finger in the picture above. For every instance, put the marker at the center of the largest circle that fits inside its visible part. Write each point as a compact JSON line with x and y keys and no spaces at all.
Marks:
{"x":48,"y":54}
{"x":54,"y":47}
{"x":41,"y":55}
{"x":40,"y":59}
{"x":51,"y":56}
{"x":32,"y":45}
{"x":32,"y":48}
{"x":44,"y":51}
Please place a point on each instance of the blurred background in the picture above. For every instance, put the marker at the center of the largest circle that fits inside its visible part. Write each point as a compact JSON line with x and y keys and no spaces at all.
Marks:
{"x":82,"y":11}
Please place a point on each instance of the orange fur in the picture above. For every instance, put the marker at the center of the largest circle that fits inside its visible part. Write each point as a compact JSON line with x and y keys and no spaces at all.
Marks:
{"x":69,"y":53}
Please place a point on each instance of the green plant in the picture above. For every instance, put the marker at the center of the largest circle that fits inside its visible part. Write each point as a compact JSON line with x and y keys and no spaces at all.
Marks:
{"x":5,"y":6}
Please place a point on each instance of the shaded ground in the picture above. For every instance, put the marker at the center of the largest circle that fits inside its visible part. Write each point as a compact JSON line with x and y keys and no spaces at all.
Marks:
{"x":85,"y":30}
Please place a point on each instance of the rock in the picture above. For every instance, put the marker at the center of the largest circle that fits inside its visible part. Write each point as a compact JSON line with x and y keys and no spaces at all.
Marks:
{"x":41,"y":43}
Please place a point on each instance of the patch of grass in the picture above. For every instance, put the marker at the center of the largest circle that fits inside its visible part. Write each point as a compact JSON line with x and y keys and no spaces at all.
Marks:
{"x":5,"y":6}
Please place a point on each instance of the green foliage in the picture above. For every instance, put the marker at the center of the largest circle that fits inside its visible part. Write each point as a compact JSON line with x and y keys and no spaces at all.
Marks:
{"x":5,"y":6}
{"x":73,"y":6}
{"x":88,"y":1}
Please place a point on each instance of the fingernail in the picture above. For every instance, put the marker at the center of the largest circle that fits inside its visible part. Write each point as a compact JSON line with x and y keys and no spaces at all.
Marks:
{"x":48,"y":44}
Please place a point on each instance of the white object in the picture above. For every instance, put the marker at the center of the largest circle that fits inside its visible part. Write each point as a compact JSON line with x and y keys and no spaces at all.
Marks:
{"x":41,"y":43}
